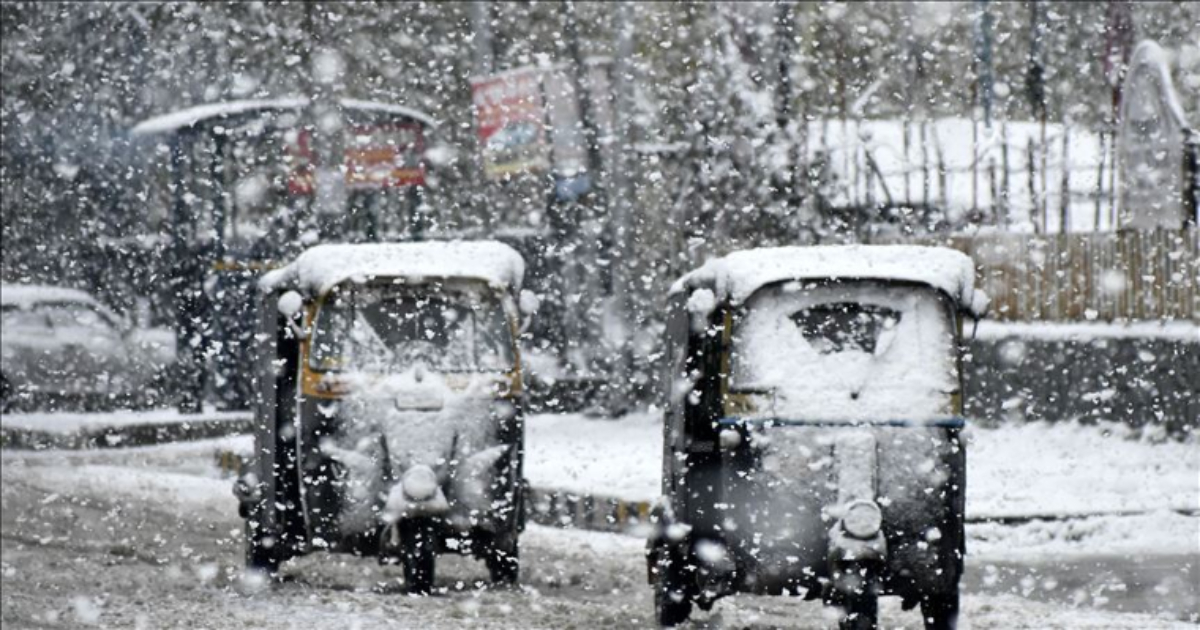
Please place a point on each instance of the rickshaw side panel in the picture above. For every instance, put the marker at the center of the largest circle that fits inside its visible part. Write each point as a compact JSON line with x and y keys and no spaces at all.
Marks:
{"x":274,"y":384}
{"x":699,"y":472}
{"x":674,"y":390}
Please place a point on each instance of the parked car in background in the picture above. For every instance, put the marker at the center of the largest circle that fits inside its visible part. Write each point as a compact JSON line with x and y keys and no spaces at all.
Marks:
{"x":63,"y":349}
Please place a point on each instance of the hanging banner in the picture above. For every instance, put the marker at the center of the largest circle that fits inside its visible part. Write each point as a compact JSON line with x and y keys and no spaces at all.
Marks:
{"x":510,"y":119}
{"x":528,"y":120}
{"x":377,"y":157}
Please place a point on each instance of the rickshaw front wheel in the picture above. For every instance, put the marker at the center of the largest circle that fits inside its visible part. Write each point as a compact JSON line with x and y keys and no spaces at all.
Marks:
{"x":503,"y":559}
{"x":940,"y":612}
{"x":419,"y":538}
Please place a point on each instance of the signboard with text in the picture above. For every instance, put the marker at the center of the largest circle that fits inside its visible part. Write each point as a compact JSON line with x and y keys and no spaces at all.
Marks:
{"x":377,"y":157}
{"x":510,"y":121}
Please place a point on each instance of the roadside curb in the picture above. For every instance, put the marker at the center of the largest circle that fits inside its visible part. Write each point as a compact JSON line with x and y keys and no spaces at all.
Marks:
{"x":559,"y":508}
{"x":148,"y":434}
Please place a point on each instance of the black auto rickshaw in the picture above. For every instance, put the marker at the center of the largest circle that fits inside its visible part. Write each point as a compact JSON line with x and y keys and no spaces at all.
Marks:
{"x":388,"y":407}
{"x":812,"y":430}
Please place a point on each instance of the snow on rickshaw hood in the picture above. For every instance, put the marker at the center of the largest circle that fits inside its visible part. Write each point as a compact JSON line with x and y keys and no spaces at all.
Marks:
{"x":323,"y":267}
{"x":738,"y":275}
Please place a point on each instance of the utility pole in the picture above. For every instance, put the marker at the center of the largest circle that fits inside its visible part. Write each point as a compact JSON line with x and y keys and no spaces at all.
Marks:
{"x":582,"y":84}
{"x":483,"y":63}
{"x":324,"y":125}
{"x":788,"y":125}
{"x":483,"y":57}
{"x":595,"y":203}
{"x":621,"y":224}
{"x":983,"y":57}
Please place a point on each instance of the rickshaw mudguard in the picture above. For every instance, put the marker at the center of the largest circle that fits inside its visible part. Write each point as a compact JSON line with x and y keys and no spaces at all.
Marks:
{"x":780,"y":484}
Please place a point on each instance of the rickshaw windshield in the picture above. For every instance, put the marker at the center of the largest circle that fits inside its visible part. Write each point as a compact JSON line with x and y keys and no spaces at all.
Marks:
{"x":392,"y":328}
{"x":847,"y":350}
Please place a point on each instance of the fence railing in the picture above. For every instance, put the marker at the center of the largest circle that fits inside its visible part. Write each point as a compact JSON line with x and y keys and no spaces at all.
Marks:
{"x":1100,"y":276}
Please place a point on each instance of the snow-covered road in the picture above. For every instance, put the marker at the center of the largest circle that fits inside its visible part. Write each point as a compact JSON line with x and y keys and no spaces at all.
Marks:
{"x":148,"y":537}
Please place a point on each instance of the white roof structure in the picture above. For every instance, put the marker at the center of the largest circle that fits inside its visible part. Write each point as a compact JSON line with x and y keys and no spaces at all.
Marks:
{"x":183,"y":118}
{"x":25,"y":296}
{"x":321,"y":268}
{"x":738,"y":275}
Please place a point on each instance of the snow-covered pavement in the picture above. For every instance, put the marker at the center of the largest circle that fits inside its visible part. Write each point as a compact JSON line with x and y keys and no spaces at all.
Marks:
{"x":149,"y":537}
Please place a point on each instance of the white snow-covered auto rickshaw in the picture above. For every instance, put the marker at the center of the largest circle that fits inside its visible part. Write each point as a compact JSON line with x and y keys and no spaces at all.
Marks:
{"x":388,"y":407}
{"x":812,"y":434}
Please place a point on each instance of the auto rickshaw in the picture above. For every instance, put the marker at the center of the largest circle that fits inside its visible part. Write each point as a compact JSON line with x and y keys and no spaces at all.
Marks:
{"x":388,"y":407}
{"x":812,"y":432}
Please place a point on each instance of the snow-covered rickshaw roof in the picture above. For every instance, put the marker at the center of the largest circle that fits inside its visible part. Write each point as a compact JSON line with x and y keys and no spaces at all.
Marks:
{"x":192,"y":116}
{"x":321,"y":268}
{"x":25,"y":296}
{"x":738,"y":275}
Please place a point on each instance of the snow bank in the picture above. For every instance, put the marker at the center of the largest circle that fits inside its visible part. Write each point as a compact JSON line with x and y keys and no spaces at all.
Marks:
{"x":738,"y":275}
{"x":1068,"y":468}
{"x":320,"y":268}
{"x":69,"y":422}
{"x":1158,"y":532}
{"x":24,"y":296}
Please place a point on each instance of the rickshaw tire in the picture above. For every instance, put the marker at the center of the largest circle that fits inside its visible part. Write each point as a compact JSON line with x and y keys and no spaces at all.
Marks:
{"x":860,"y":608}
{"x":672,"y":603}
{"x":940,"y":612}
{"x":503,"y":559}
{"x":671,"y":613}
{"x":419,"y":554}
{"x":258,"y":556}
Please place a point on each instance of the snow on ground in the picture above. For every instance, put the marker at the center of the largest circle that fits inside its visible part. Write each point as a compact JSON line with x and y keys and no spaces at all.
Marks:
{"x":176,"y":543}
{"x":1036,"y":469}
{"x":1068,"y":468}
{"x":69,"y":422}
{"x":1013,"y":470}
{"x":949,"y":147}
{"x":1118,"y":535}
{"x":620,"y":458}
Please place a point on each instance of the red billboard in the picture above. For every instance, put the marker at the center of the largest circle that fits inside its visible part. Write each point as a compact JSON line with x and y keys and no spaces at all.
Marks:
{"x":509,"y":115}
{"x":377,"y":156}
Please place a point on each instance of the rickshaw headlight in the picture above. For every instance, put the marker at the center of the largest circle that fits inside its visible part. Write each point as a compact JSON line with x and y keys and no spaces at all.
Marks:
{"x":420,"y":483}
{"x":862,"y":519}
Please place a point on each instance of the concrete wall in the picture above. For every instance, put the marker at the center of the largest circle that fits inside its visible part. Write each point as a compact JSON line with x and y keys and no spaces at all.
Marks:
{"x":1135,"y":380}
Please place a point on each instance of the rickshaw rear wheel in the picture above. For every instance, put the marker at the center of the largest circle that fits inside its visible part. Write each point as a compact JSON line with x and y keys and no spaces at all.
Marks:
{"x":940,"y":612}
{"x":261,"y":554}
{"x":858,"y":599}
{"x":503,"y":559}
{"x":672,"y":603}
{"x":420,"y":554}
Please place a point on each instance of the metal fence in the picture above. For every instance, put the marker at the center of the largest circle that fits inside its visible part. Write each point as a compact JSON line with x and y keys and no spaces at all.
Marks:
{"x":1100,"y":276}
